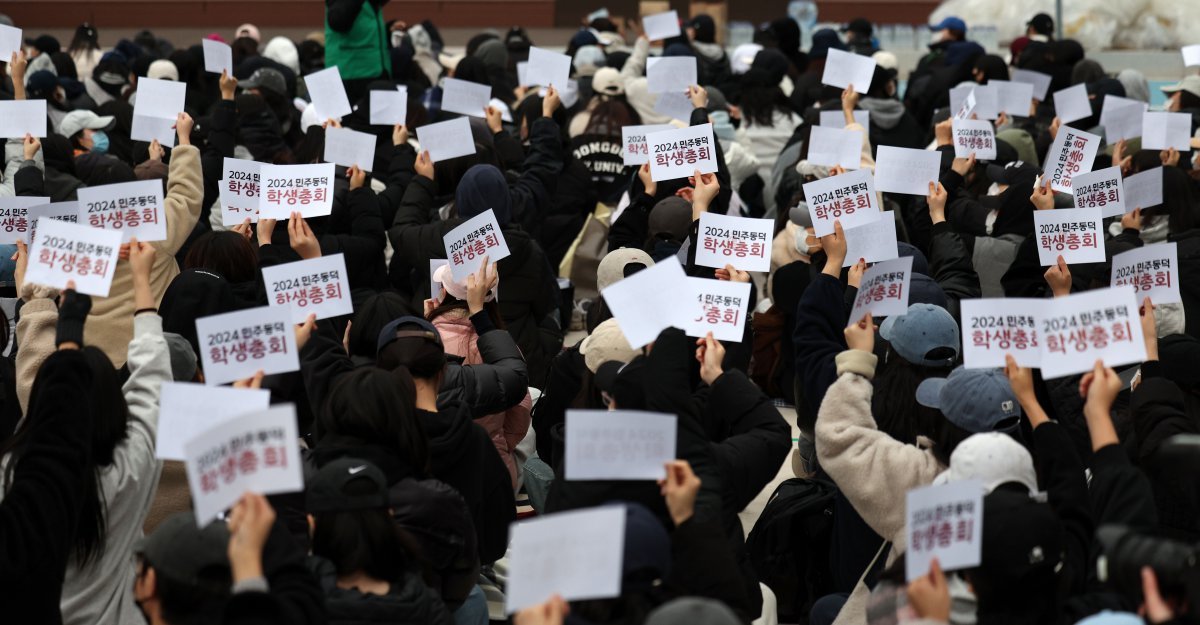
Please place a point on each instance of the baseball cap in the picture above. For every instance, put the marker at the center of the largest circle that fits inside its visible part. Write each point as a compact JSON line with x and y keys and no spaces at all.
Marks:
{"x":925,"y":335}
{"x":45,"y":44}
{"x":266,"y":78}
{"x":163,"y":69}
{"x":606,"y":375}
{"x":620,"y":264}
{"x":859,"y":25}
{"x":607,"y":81}
{"x":606,"y":343}
{"x":1042,"y":24}
{"x":75,"y":121}
{"x":185,"y":553}
{"x":692,"y":611}
{"x":976,"y":400}
{"x":41,"y":84}
{"x":671,"y":216}
{"x":1190,"y":84}
{"x":1021,"y":537}
{"x":445,"y":276}
{"x":1108,"y":617}
{"x":950,"y":23}
{"x":392,"y":331}
{"x":925,"y":290}
{"x":992,"y":458}
{"x":1007,"y":174}
{"x":588,"y":60}
{"x":743,"y":57}
{"x":183,"y":357}
{"x":799,"y":215}
{"x":346,"y":484}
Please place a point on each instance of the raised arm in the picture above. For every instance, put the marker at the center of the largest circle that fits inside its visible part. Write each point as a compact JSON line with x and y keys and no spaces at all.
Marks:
{"x":185,"y":189}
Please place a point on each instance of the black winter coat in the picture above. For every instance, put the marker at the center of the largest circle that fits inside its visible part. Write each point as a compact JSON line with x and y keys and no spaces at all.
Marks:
{"x":408,"y":602}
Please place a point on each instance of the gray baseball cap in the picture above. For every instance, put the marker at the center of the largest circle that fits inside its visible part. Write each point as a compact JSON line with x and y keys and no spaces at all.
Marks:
{"x":186,"y":553}
{"x":916,"y":335}
{"x":266,"y":78}
{"x":976,"y":400}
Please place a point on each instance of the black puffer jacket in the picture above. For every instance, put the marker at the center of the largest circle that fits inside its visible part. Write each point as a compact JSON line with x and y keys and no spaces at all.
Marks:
{"x":408,"y":602}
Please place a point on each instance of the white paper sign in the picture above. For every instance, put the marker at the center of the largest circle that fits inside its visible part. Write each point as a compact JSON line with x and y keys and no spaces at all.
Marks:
{"x":1122,"y":118}
{"x":470,"y":241}
{"x":349,"y":148}
{"x":670,"y":73}
{"x":158,"y":104}
{"x":1077,"y":330}
{"x":436,"y":291}
{"x":830,"y":146}
{"x":680,"y":153}
{"x":1161,"y":131}
{"x":64,"y":251}
{"x":314,"y":286}
{"x":1040,"y":82}
{"x":1152,"y":271}
{"x":904,"y":170}
{"x":618,"y":445}
{"x":447,"y":140}
{"x":190,"y":409}
{"x":1191,"y":55}
{"x":849,"y":197}
{"x":974,"y":136}
{"x":837,"y":119}
{"x":944,"y":521}
{"x":328,"y":94}
{"x":576,"y":554}
{"x":987,"y":102}
{"x":1073,"y":233}
{"x":236,"y":345}
{"x":389,"y":108}
{"x":718,"y":306}
{"x":675,"y":105}
{"x":661,"y":26}
{"x":465,"y":97}
{"x":1072,"y":103}
{"x":21,"y":117}
{"x":1144,"y":190}
{"x":134,"y":208}
{"x":523,"y":74}
{"x":1101,"y":189}
{"x":633,"y":138}
{"x":872,"y":242}
{"x":305,"y":189}
{"x":58,"y":211}
{"x":884,"y":290}
{"x":258,"y":452}
{"x":240,"y":191}
{"x":1072,"y":153}
{"x":993,"y":328}
{"x":548,"y":68}
{"x":743,"y":242}
{"x":843,"y":69}
{"x":10,"y":41}
{"x":218,"y":57}
{"x":647,"y":302}
{"x":968,"y":107}
{"x":1014,"y":98}
{"x":14,"y":217}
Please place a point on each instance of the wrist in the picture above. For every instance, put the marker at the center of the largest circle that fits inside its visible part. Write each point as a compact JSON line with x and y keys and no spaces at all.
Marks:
{"x":938,"y":216}
{"x":1061,"y":292}
{"x":833,"y":266}
{"x":682,"y":516}
{"x":474,"y":309}
{"x":246,"y":568}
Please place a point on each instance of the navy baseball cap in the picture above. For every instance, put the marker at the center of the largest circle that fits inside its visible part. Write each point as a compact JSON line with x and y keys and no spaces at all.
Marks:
{"x":976,"y":400}
{"x":392,"y":331}
{"x":346,"y":484}
{"x":950,"y":23}
{"x":925,"y":335}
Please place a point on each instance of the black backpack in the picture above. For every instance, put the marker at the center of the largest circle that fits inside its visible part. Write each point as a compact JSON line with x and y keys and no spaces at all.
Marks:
{"x":789,"y":545}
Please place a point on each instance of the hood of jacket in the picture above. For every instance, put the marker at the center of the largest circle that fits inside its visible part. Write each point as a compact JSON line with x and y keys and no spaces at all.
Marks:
{"x":885,"y":113}
{"x":448,"y":430}
{"x":283,"y":51}
{"x":459,"y":338}
{"x":408,"y":602}
{"x":709,"y":51}
{"x":481,"y":188}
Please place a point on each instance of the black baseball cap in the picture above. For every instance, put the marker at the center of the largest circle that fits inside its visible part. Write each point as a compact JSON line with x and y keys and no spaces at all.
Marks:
{"x":346,"y":484}
{"x":606,"y":375}
{"x":422,"y":329}
{"x":859,"y":25}
{"x":1008,"y":174}
{"x":185,"y":553}
{"x":1042,"y":24}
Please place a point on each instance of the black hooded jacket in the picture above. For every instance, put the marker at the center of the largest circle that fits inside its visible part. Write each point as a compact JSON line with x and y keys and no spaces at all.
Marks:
{"x":408,"y":602}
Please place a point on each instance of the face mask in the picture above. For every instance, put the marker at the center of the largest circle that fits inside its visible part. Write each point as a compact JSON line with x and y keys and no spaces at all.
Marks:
{"x":99,"y":142}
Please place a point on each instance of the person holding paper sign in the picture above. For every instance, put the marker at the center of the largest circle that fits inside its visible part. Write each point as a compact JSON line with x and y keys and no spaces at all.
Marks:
{"x":124,"y":463}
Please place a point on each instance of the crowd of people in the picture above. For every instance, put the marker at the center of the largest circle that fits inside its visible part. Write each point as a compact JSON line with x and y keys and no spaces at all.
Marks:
{"x":434,"y":416}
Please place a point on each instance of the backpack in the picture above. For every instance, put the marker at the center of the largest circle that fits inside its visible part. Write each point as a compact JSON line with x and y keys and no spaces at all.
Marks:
{"x":789,"y":545}
{"x":438,"y":519}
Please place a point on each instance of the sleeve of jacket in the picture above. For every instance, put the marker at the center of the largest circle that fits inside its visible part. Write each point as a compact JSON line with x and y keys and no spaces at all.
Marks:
{"x":750,"y":431}
{"x":500,"y":507}
{"x":818,"y":337}
{"x":1025,"y":276}
{"x":400,"y":174}
{"x":635,"y":65}
{"x":149,"y":367}
{"x":631,"y":229}
{"x":185,"y":192}
{"x":29,"y":181}
{"x":720,"y":204}
{"x":1129,"y":239}
{"x":321,"y":362}
{"x":501,"y":382}
{"x":872,"y":469}
{"x":35,"y":335}
{"x":413,"y":237}
{"x":45,"y":497}
{"x":951,"y":266}
{"x":534,"y":188}
{"x":562,"y":386}
{"x":1067,"y":490}
{"x":1119,"y":492}
{"x":508,"y":151}
{"x":14,"y":159}
{"x":293,"y":597}
{"x":220,"y":145}
{"x":1158,"y":412}
{"x":365,"y":243}
{"x":703,"y":565}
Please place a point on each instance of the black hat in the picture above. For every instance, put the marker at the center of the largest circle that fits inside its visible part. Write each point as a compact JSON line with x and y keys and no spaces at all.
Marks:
{"x":392,"y":331}
{"x":346,"y":484}
{"x":606,"y":375}
{"x":1021,"y":537}
{"x":185,"y":553}
{"x":45,"y":44}
{"x":860,"y":25}
{"x":1007,"y":174}
{"x":1042,"y":24}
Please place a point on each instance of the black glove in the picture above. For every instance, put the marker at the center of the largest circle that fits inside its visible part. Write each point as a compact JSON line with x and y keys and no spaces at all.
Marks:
{"x":73,"y":310}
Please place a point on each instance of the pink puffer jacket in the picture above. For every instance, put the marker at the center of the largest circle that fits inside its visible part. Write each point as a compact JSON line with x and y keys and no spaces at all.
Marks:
{"x":507,"y":428}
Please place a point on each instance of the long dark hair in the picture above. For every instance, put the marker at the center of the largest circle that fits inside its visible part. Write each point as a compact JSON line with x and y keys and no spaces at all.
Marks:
{"x":110,"y":423}
{"x":423,"y":358}
{"x":227,"y":253}
{"x":366,"y":541}
{"x":759,"y":103}
{"x":85,"y":39}
{"x":1179,"y":202}
{"x":376,"y":407}
{"x":610,"y":114}
{"x":894,"y":403}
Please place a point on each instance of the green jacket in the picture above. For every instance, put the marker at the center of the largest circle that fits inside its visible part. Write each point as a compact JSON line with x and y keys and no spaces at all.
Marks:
{"x":361,"y":50}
